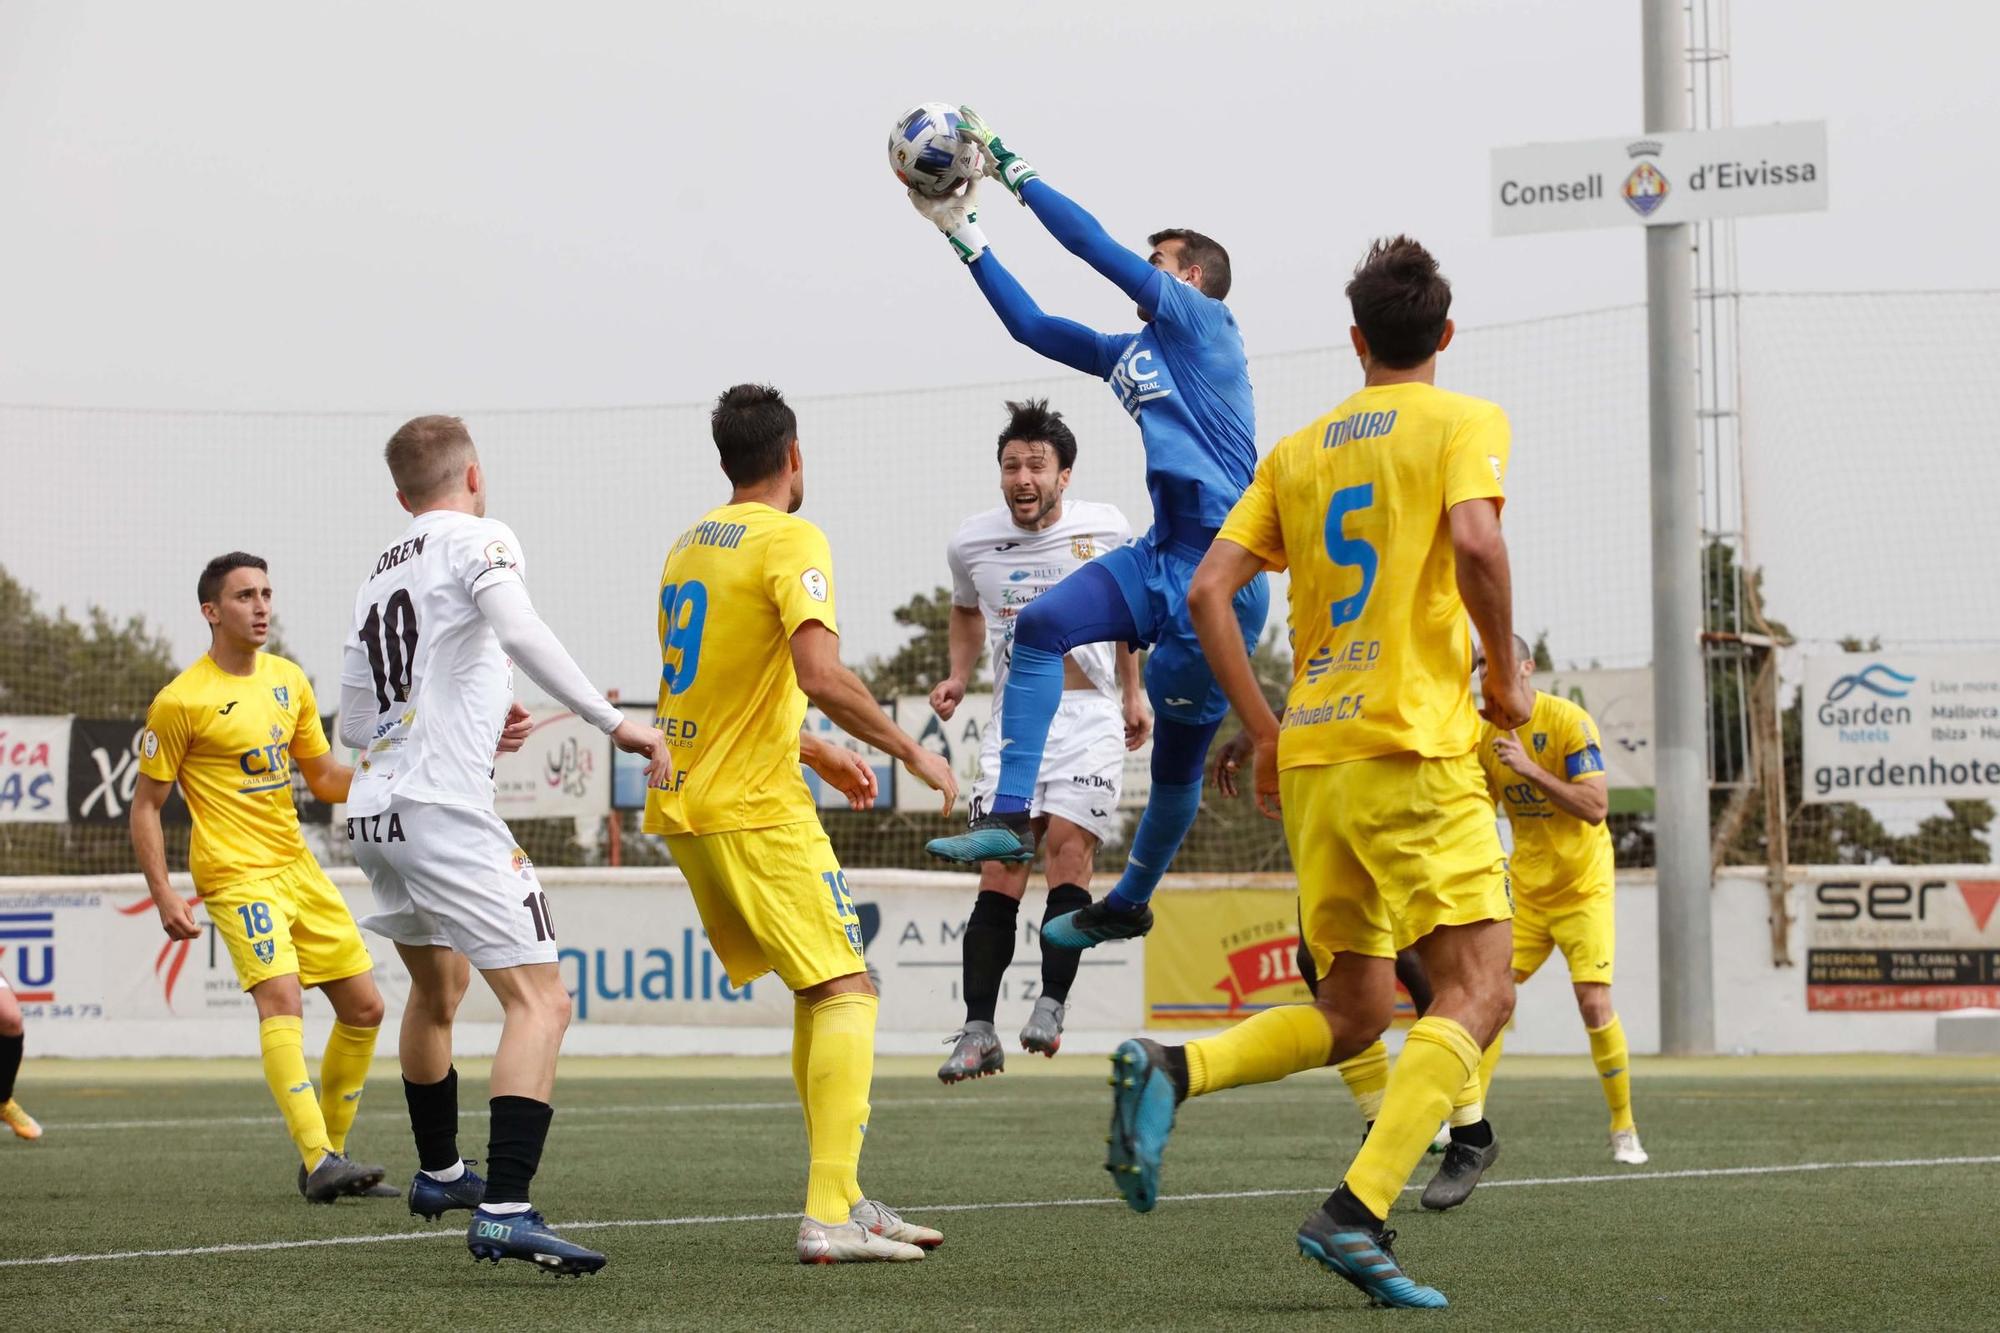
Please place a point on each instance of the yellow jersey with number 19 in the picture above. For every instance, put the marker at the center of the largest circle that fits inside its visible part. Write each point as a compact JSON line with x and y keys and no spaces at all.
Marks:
{"x":229,"y":741}
{"x":1355,"y":507}
{"x":736,"y":587}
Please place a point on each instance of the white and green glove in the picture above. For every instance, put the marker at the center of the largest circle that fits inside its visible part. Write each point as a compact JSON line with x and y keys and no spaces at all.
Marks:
{"x":1002,"y":164}
{"x":957,"y":216}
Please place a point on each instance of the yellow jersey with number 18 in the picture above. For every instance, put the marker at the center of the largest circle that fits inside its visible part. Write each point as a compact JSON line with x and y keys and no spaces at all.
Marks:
{"x":1355,"y":507}
{"x":229,"y":741}
{"x":737,"y":585}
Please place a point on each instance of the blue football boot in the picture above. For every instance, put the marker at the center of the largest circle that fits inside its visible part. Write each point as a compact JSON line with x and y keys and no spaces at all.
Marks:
{"x":1147,"y":1085}
{"x":526,"y":1236}
{"x":1009,"y":838}
{"x":1096,"y":924}
{"x":432,"y":1199}
{"x":1361,"y":1254}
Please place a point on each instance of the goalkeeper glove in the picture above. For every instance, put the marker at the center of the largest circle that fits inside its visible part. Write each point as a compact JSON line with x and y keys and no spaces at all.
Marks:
{"x":957,"y":216}
{"x":1002,"y":163}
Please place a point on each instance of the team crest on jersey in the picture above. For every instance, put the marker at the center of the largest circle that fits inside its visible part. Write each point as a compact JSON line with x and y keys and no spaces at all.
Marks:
{"x":1083,"y":548}
{"x":283,"y":694}
{"x":1541,"y":739}
{"x":266,"y":950}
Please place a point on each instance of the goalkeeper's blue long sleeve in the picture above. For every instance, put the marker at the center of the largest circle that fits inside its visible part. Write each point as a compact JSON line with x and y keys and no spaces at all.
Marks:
{"x":1059,"y":339}
{"x":1084,"y":236}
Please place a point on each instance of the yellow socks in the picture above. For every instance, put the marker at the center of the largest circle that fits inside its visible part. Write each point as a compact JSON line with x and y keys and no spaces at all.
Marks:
{"x":1614,"y":1070}
{"x":1437,"y":1060}
{"x":1489,"y":1060}
{"x":284,"y":1042}
{"x":1469,"y":1106}
{"x":1261,"y":1048}
{"x":342,"y":1071}
{"x":838,"y":1070}
{"x":1367,"y":1076}
{"x":802,"y":1045}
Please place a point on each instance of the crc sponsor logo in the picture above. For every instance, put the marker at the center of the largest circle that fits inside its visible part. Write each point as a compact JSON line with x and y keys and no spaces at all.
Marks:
{"x":1137,"y":380}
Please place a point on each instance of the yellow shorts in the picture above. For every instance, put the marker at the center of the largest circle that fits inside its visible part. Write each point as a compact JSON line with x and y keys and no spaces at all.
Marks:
{"x":1585,"y":931}
{"x":292,"y":921}
{"x":1388,"y":849}
{"x":773,"y":900}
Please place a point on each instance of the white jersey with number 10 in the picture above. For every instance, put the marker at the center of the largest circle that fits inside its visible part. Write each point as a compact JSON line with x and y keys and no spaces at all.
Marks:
{"x":441,"y":683}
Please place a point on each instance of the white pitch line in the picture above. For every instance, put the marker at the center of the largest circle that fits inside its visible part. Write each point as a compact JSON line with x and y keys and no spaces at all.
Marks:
{"x":449,"y":1233}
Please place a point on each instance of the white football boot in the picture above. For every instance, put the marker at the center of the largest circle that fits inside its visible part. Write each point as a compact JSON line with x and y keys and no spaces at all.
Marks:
{"x":1625,"y":1148}
{"x":887,"y":1223}
{"x":849,"y":1243}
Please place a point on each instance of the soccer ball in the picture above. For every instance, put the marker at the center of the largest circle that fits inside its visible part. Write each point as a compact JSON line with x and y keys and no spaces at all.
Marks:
{"x":927,"y":153}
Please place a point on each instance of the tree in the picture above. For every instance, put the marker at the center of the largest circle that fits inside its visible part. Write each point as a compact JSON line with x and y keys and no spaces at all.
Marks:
{"x":917,"y":666}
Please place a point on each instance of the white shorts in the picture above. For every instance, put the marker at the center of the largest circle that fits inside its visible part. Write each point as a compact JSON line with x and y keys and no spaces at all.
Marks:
{"x":1083,"y":765}
{"x":453,"y":877}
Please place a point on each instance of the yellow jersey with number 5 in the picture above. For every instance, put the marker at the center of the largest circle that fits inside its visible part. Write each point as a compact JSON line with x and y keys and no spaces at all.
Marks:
{"x":1355,"y":506}
{"x":736,"y":587}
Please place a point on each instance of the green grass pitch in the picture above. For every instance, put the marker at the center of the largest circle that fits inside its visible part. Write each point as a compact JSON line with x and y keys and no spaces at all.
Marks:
{"x":693,"y":1171}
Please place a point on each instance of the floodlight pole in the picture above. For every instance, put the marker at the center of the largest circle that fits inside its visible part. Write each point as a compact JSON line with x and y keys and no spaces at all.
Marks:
{"x":1681,"y":833}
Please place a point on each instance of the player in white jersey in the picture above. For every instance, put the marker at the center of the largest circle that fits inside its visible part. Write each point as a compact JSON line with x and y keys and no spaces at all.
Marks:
{"x":426,"y":692}
{"x":1001,"y":560}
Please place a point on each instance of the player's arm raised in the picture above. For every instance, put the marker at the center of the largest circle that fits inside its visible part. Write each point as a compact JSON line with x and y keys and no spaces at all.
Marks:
{"x":844,"y":698}
{"x":1077,"y":346}
{"x":1072,"y":226}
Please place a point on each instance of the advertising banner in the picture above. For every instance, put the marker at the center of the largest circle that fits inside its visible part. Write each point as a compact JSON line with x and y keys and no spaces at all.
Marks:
{"x":104,"y":772}
{"x":1218,"y":955}
{"x":564,"y":770}
{"x":1889,"y":725}
{"x":1659,"y":179}
{"x":914,"y":938}
{"x":1902,"y":941}
{"x":34,"y":770}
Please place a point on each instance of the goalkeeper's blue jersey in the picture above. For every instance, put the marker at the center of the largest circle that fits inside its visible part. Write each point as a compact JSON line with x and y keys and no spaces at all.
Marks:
{"x":1186,"y":380}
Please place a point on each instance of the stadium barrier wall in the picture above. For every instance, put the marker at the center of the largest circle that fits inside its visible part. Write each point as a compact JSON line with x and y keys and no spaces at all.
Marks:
{"x":97,"y":978}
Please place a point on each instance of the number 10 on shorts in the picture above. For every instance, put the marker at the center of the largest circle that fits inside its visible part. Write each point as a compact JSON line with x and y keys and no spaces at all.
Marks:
{"x":538,"y":912}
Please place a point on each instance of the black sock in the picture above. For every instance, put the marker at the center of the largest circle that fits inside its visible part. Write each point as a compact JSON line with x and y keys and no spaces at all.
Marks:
{"x":1344,"y":1208}
{"x":1059,"y":965}
{"x":10,"y":1063}
{"x":514,"y":1147}
{"x":988,"y":948}
{"x":1478,"y":1135}
{"x":1177,"y":1070}
{"x":434,"y":1120}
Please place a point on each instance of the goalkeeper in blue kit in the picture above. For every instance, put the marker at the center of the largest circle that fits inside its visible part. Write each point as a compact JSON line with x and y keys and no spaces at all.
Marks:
{"x":1185,"y":379}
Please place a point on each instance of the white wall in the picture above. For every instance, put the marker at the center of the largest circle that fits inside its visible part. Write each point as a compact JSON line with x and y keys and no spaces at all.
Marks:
{"x":109,"y":968}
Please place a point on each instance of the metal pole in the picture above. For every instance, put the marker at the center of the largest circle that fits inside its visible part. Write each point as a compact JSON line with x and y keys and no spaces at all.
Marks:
{"x":1687,"y":990}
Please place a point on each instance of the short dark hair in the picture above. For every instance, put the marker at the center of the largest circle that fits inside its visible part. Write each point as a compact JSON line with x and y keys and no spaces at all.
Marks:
{"x":1203,"y":250}
{"x":1400,"y":301}
{"x":427,"y":454}
{"x":753,"y":427}
{"x":209,"y":587}
{"x":1032,"y":420}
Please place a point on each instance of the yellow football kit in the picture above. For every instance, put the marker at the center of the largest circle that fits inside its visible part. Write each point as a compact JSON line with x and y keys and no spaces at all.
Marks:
{"x":229,"y":741}
{"x":1562,"y":865}
{"x":1385,"y":810}
{"x":735,"y":809}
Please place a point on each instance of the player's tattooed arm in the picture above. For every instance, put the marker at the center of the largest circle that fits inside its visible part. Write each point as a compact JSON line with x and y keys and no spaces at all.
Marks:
{"x":149,"y":844}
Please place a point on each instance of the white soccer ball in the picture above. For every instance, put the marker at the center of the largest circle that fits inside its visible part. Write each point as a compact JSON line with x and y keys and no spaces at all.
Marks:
{"x":927,"y":153}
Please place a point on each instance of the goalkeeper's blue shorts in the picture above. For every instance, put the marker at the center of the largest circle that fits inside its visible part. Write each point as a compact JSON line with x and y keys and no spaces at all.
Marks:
{"x":1153,"y":573}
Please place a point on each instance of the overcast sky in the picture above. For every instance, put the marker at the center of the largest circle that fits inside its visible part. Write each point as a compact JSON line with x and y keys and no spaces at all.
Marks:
{"x":449,"y":206}
{"x":379,"y":210}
